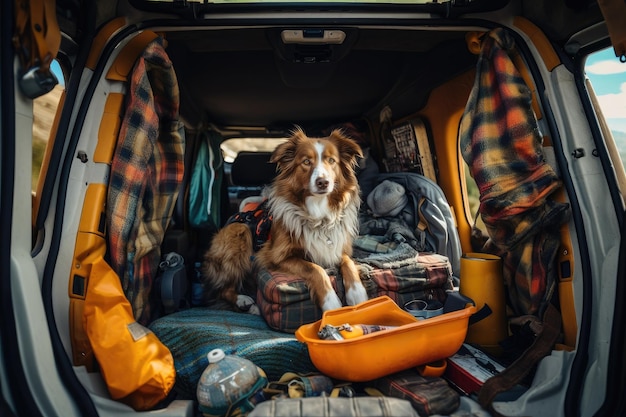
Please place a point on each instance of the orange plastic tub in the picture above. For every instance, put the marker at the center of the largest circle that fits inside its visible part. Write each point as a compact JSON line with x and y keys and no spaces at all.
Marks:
{"x":412,"y":343}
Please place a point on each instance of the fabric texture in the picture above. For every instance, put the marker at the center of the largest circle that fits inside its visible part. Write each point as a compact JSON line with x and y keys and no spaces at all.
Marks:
{"x":191,"y":334}
{"x":335,"y":407}
{"x":146,"y":173}
{"x":501,"y":142}
{"x":205,"y":186}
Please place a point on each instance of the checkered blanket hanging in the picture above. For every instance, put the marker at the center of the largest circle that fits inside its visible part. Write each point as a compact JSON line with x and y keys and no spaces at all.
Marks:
{"x":146,"y":174}
{"x":501,"y":142}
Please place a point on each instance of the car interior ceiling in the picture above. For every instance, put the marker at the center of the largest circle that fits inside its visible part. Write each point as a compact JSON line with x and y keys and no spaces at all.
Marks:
{"x":251,"y":78}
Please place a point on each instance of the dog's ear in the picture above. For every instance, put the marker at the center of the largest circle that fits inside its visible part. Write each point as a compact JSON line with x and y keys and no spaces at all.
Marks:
{"x":285,"y":153}
{"x":349,"y":150}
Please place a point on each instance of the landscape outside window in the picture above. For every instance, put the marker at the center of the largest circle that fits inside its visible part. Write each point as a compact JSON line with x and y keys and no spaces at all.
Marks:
{"x":44,"y":111}
{"x":608,"y":78}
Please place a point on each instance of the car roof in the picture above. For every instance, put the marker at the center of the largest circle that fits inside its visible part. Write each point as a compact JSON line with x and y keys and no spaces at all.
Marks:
{"x":235,"y":68}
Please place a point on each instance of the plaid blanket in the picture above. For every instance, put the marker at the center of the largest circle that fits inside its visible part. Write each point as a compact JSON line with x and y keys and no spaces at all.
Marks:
{"x":427,"y":277}
{"x":146,"y":172}
{"x":285,"y":302}
{"x":383,"y":234}
{"x":501,"y":142}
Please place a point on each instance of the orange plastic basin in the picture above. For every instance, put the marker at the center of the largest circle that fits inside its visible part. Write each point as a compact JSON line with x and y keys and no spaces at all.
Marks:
{"x":414,"y":342}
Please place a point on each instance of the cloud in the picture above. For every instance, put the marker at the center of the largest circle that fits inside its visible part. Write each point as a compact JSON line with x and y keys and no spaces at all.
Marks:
{"x":614,"y":105}
{"x":606,"y":67}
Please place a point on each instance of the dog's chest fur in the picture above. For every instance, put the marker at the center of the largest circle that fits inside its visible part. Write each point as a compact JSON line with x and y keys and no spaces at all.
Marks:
{"x":322,"y":232}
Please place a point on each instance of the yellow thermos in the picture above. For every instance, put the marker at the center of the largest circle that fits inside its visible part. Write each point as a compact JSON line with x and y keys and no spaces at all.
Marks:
{"x":481,"y":280}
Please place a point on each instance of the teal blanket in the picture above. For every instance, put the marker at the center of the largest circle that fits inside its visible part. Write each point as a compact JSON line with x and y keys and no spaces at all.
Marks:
{"x":192,"y":334}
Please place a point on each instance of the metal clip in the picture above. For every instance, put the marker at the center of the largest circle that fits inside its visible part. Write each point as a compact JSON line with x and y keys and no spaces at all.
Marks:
{"x":330,"y":332}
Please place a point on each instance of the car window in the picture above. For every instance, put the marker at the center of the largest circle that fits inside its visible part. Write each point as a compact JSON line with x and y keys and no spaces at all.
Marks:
{"x":231,"y":147}
{"x":607,"y":78}
{"x":45,"y":109}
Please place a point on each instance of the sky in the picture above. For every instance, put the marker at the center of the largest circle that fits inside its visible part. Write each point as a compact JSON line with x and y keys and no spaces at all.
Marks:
{"x":608,"y":77}
{"x":56,"y":69}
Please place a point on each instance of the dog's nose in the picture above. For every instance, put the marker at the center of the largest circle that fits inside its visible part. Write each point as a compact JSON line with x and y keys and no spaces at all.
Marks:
{"x":321,"y":183}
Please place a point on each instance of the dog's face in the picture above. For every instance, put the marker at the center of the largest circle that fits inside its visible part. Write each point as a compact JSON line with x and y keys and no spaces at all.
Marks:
{"x":316,"y":166}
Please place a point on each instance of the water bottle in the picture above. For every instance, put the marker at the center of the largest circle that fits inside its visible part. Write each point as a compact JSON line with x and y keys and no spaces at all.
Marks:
{"x":229,"y":384}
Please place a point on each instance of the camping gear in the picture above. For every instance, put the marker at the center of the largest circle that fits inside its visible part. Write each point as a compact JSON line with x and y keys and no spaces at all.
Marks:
{"x":335,"y":407}
{"x":137,"y":368}
{"x":427,"y":215}
{"x":427,"y":395}
{"x":414,"y":342}
{"x":481,"y":280}
{"x":227,"y":384}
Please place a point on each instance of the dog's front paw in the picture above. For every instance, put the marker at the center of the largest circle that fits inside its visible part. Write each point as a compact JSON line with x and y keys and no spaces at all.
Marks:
{"x":247,"y":304}
{"x":356,"y":294}
{"x":331,"y":301}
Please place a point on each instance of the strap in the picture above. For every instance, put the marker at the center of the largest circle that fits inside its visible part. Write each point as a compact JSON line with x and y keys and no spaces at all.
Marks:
{"x":484,"y":312}
{"x":37,"y":39}
{"x":294,"y":385}
{"x":512,"y":375}
{"x":423,"y":223}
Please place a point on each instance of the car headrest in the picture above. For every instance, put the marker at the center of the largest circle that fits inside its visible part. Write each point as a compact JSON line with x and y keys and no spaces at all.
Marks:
{"x":252,"y":169}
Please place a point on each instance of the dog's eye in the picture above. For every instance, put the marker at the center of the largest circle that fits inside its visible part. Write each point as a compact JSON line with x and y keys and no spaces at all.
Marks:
{"x":307,"y":162}
{"x":331,"y":160}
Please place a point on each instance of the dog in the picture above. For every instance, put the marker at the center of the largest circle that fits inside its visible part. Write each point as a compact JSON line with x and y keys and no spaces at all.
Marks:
{"x":314,"y":203}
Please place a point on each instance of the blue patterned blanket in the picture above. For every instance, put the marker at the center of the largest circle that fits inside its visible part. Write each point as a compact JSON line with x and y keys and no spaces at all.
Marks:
{"x":192,"y":334}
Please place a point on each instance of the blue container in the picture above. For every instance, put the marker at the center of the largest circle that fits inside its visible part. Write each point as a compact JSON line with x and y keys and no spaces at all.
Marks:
{"x":228,"y":384}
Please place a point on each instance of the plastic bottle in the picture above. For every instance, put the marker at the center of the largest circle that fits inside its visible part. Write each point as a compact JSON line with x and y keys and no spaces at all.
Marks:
{"x":229,"y":384}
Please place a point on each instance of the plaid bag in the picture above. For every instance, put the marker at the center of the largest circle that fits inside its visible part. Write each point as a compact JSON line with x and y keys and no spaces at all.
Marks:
{"x":427,"y":395}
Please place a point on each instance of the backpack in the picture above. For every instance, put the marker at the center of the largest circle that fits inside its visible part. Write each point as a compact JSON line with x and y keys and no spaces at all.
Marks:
{"x":428,"y":214}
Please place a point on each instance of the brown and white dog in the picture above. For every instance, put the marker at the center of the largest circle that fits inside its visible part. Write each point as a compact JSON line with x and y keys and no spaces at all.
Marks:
{"x":314,"y":203}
